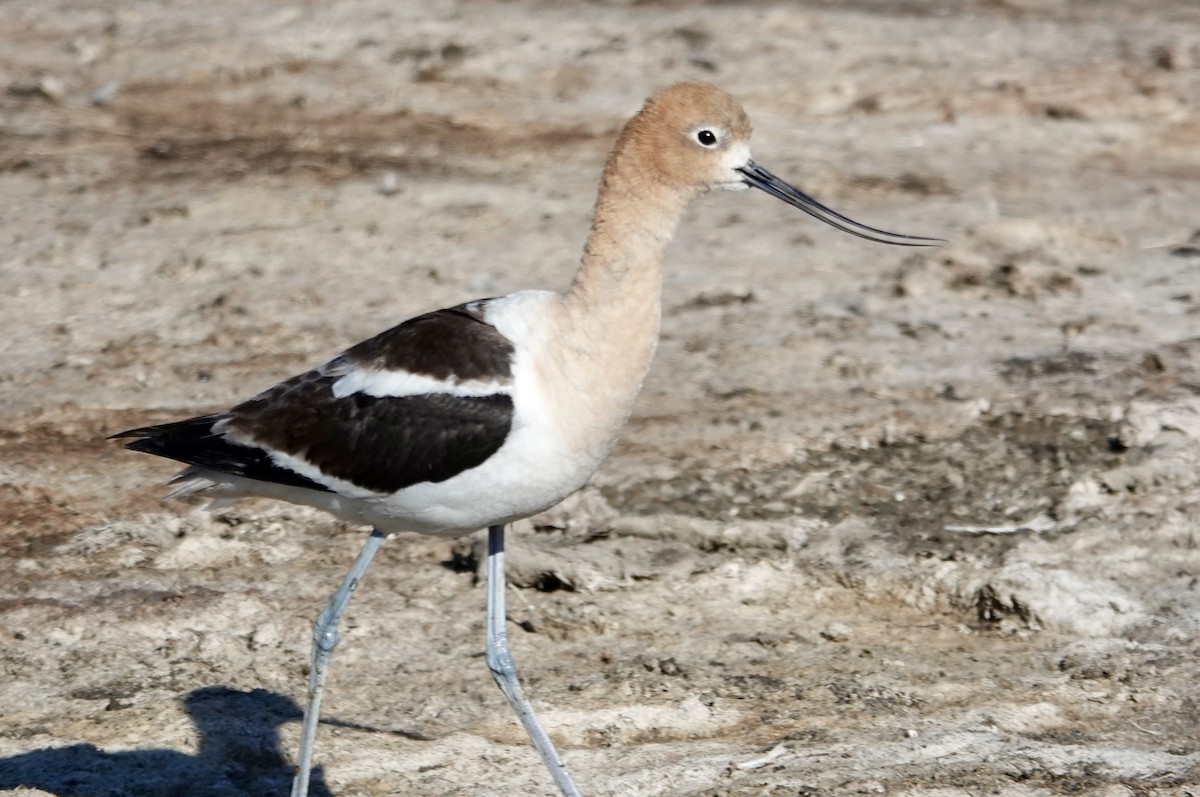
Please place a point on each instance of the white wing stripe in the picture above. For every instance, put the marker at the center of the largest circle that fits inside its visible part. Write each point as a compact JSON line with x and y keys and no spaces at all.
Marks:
{"x":394,"y":384}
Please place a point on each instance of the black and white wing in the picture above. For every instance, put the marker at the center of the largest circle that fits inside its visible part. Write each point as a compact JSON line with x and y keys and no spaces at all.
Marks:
{"x":420,"y":402}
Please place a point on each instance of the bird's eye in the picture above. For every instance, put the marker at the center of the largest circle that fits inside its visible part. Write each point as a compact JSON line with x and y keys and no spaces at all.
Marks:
{"x":706,"y":137}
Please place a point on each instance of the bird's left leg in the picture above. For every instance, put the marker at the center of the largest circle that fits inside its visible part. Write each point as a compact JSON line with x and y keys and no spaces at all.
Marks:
{"x":325,"y":639}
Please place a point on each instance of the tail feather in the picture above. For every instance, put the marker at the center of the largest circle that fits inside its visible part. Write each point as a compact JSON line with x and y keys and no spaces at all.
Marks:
{"x":199,"y":443}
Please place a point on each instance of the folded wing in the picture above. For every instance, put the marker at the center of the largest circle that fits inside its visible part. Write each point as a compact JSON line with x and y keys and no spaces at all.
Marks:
{"x":421,"y":402}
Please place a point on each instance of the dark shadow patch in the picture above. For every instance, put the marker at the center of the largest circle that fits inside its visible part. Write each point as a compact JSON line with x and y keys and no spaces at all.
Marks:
{"x":238,"y":756}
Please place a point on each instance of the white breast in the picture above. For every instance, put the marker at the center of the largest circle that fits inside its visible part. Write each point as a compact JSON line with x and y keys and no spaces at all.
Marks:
{"x":556,"y":443}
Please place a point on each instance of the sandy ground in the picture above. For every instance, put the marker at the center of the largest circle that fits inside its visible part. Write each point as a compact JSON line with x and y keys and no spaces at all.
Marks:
{"x":885,"y":521}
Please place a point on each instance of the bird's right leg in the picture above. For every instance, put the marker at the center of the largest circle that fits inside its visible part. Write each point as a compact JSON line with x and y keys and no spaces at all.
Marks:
{"x":325,"y":639}
{"x":500,"y":661}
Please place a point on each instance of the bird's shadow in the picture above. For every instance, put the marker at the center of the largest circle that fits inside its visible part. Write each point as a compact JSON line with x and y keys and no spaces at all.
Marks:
{"x":238,"y":756}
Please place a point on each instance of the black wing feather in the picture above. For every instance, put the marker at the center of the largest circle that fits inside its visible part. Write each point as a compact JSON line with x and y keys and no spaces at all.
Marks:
{"x":195,"y":443}
{"x":379,"y":443}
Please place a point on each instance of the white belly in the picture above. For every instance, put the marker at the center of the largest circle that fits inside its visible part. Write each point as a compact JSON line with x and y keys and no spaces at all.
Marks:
{"x":531,"y":472}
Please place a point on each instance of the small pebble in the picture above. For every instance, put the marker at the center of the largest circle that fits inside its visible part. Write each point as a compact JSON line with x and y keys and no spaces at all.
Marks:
{"x":52,"y":88}
{"x":104,"y":95}
{"x":837,"y":632}
{"x":389,"y":183}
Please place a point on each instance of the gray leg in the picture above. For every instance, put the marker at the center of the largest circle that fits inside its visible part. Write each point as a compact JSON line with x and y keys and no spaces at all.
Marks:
{"x":500,"y":661}
{"x":325,"y":639}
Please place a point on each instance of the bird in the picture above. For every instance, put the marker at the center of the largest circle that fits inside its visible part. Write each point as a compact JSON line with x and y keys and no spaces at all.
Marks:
{"x":491,"y":411}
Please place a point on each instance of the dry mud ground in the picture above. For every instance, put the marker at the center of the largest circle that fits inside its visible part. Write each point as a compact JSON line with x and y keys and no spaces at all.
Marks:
{"x":885,"y":521}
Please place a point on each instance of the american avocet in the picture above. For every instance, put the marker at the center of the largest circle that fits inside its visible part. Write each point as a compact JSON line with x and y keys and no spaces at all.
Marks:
{"x":493,"y":410}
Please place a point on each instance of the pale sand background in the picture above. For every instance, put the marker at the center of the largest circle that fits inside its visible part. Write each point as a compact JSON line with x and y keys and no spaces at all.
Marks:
{"x":762,"y":567}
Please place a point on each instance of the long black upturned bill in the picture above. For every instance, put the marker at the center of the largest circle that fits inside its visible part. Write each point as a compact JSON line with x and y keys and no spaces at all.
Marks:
{"x":762,"y":179}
